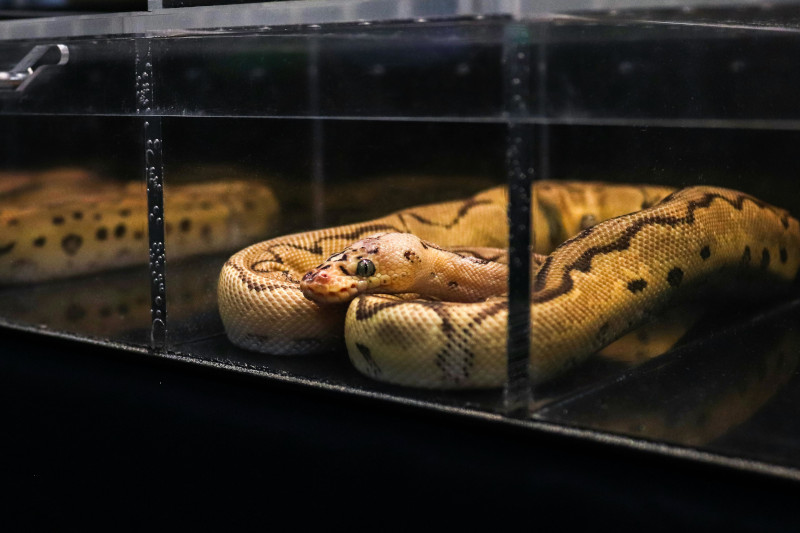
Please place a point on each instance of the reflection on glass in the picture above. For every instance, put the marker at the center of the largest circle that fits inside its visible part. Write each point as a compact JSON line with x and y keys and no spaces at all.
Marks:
{"x":72,"y":223}
{"x":68,"y":222}
{"x":705,"y":388}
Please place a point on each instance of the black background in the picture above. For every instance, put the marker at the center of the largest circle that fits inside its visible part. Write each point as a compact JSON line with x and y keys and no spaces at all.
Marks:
{"x":94,"y":436}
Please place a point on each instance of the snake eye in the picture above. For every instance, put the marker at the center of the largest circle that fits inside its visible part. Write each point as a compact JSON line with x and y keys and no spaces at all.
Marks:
{"x":365,"y":268}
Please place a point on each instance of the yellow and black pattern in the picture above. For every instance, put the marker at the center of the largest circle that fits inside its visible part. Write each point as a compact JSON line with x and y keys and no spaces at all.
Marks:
{"x":636,"y":248}
{"x":72,"y":223}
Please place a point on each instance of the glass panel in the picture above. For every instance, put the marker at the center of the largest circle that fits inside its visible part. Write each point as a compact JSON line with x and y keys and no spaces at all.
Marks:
{"x":281,"y":177}
{"x":674,"y":65}
{"x":423,"y":70}
{"x":267,"y":132}
{"x":673,"y":158}
{"x":74,"y":216}
{"x":677,"y":324}
{"x":95,"y":78}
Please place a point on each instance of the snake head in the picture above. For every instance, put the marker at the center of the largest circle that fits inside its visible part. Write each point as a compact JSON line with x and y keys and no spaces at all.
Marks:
{"x":368,"y":266}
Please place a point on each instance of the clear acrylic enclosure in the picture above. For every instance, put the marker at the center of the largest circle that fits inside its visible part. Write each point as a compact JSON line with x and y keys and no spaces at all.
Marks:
{"x":215,"y":185}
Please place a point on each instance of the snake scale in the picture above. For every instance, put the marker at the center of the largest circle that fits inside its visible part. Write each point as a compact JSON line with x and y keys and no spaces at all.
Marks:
{"x":617,"y":255}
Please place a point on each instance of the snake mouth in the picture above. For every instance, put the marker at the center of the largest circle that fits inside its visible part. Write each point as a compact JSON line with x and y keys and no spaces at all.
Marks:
{"x":329,"y":295}
{"x":320,"y":286}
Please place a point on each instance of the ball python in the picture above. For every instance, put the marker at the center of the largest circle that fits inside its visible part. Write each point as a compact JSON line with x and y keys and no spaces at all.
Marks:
{"x":68,"y":222}
{"x":617,"y":254}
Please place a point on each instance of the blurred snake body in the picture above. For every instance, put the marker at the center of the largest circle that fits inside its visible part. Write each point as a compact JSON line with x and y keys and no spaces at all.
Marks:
{"x":617,"y":255}
{"x":69,"y":222}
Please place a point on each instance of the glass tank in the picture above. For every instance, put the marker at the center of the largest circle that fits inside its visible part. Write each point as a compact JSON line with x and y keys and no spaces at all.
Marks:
{"x":576,"y":220}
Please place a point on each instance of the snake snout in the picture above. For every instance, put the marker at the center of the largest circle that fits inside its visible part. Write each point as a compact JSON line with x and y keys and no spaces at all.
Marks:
{"x":317,"y":276}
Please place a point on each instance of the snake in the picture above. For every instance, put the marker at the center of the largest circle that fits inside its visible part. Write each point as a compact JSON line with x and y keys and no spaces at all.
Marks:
{"x":419,"y":298}
{"x":70,"y":222}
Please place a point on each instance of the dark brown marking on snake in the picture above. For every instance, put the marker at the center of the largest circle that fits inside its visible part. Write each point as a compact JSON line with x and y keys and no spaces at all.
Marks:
{"x":58,"y":220}
{"x":102,"y":234}
{"x":138,"y":234}
{"x":39,"y":241}
{"x":410,"y":255}
{"x":452,"y":285}
{"x":185,"y":225}
{"x":675,"y":277}
{"x":764,"y":258}
{"x":124,"y":212}
{"x":584,"y":262}
{"x":316,"y":247}
{"x":705,"y":253}
{"x":325,"y":267}
{"x":98,"y":216}
{"x":456,"y":360}
{"x":205,"y":232}
{"x":205,"y":205}
{"x":245,"y":278}
{"x":489,"y":311}
{"x":77,"y":215}
{"x":602,"y":333}
{"x":366,"y":353}
{"x":637,"y":285}
{"x":465,"y":208}
{"x":555,"y":229}
{"x":71,"y":243}
{"x":784,"y":255}
{"x":74,"y":312}
{"x":426,"y":245}
{"x":746,"y":256}
{"x":785,"y":221}
{"x":7,"y":248}
{"x":344,"y":270}
{"x":12,"y":221}
{"x":119,"y":231}
{"x":443,"y":356}
{"x":365,"y":311}
{"x":541,"y":276}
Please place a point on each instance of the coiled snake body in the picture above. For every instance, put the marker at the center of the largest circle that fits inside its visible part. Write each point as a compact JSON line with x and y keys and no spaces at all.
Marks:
{"x":600,"y":279}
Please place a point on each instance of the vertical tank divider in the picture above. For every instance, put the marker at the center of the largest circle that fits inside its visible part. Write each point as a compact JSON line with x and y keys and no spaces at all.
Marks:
{"x":154,"y":176}
{"x":317,"y":136}
{"x":519,"y":170}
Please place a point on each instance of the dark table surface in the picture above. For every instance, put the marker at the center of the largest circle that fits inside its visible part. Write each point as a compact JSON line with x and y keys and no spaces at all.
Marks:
{"x":95,"y":435}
